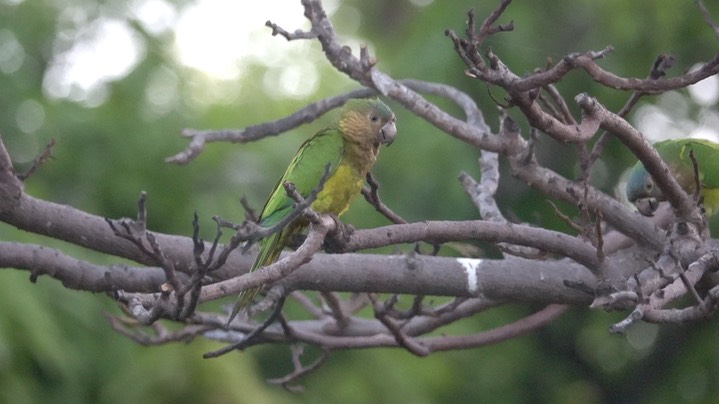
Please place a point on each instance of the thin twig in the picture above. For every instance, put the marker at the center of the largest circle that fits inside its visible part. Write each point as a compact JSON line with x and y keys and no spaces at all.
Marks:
{"x":300,"y":370}
{"x":298,"y":34}
{"x":335,"y":305}
{"x":371,"y":194}
{"x":708,"y":17}
{"x":249,"y":338}
{"x":403,"y":340}
{"x":39,"y":160}
{"x":661,"y":64}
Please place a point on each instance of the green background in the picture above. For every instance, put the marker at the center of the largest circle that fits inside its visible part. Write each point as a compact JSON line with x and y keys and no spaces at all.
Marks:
{"x":56,"y":345}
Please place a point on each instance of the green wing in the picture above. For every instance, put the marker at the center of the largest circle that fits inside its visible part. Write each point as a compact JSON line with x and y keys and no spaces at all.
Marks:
{"x":707,"y":155}
{"x":305,"y":172}
{"x":676,"y":153}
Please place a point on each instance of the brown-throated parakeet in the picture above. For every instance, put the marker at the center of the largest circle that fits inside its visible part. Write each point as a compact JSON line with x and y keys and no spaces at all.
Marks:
{"x":350,"y":147}
{"x":645,"y":195}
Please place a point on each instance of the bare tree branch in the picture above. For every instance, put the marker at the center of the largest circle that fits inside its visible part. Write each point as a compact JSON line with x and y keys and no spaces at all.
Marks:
{"x":708,"y":17}
{"x":39,"y":160}
{"x":78,"y":274}
{"x":182,"y":273}
{"x":305,"y":115}
{"x":300,"y":370}
{"x":11,"y":187}
{"x":643,"y":150}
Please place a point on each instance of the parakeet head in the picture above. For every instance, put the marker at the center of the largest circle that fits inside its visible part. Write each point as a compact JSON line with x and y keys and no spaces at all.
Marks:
{"x":368,"y":120}
{"x":642,"y":191}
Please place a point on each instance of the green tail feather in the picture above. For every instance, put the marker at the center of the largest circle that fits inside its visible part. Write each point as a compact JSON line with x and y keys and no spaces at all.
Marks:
{"x":243,"y":300}
{"x":270,"y":250}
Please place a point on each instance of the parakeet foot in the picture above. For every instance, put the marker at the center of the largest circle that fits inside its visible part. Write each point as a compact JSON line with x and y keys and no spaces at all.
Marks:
{"x":336,"y":241}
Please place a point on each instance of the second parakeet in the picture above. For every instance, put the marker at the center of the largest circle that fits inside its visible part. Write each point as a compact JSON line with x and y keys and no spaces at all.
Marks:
{"x":349,"y":147}
{"x":645,"y":195}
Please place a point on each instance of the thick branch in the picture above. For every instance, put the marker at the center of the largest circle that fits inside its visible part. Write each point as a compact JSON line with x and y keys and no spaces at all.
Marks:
{"x":77,"y":274}
{"x":444,"y":231}
{"x":75,"y":226}
{"x":630,"y":223}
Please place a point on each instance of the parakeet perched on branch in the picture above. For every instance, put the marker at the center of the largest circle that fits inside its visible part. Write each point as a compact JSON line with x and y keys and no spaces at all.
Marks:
{"x":645,"y":195}
{"x":349,"y":147}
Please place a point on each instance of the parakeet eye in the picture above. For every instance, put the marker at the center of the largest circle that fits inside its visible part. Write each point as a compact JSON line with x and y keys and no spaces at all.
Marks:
{"x":649,"y":185}
{"x":374,"y":118}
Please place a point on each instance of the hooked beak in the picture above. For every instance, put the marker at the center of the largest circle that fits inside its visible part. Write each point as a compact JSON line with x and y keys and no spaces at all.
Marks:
{"x":647,"y":206}
{"x":388,"y":132}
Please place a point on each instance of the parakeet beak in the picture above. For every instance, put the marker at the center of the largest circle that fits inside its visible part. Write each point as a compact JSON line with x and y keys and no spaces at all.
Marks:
{"x":388,"y":132}
{"x":647,"y":206}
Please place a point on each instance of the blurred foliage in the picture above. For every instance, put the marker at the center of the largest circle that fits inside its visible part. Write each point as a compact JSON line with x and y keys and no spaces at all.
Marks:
{"x":55,"y":344}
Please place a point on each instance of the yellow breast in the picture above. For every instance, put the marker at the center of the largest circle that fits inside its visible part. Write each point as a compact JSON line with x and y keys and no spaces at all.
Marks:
{"x":339,"y":190}
{"x":711,"y":200}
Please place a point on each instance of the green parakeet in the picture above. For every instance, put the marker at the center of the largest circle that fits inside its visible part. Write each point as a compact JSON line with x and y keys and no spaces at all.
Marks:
{"x":350,"y":147}
{"x":645,"y":195}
